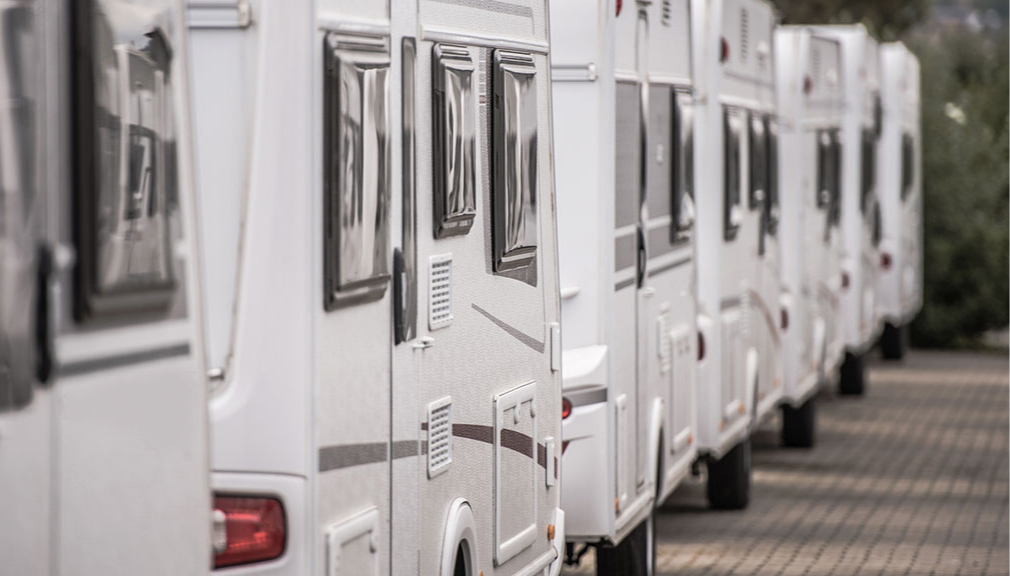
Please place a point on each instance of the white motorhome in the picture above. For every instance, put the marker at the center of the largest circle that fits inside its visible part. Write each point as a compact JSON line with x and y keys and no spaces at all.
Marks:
{"x":382,"y":263}
{"x":103,"y":414}
{"x":739,"y":316}
{"x":860,"y":208}
{"x":899,"y":280}
{"x":624,"y":107}
{"x":808,"y":67}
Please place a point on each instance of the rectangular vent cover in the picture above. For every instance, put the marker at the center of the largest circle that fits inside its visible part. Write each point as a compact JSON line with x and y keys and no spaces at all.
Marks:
{"x":439,"y":436}
{"x":440,"y":291}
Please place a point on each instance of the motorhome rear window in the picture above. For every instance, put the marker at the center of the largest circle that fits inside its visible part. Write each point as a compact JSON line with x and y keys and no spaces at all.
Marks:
{"x":454,"y":135}
{"x":835,"y":183}
{"x":825,"y":169}
{"x":731,"y":173}
{"x":356,"y":179}
{"x":907,"y":165}
{"x":683,"y":171}
{"x":124,"y":116}
{"x":772,"y":205}
{"x":758,"y":162}
{"x":514,"y":142}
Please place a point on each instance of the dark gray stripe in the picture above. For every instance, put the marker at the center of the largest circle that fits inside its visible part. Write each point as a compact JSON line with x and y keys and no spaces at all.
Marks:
{"x":109,"y":362}
{"x":533,"y":343}
{"x":347,"y":455}
{"x":624,"y":284}
{"x":670,"y":266}
{"x":586,"y":396}
{"x":624,"y":251}
{"x":405,"y":449}
{"x":731,"y":302}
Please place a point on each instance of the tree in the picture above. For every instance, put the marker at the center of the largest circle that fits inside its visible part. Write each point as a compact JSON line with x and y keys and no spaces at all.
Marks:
{"x":887,"y":20}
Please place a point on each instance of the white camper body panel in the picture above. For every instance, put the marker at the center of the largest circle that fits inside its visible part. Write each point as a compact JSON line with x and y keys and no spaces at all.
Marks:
{"x":738,"y":313}
{"x":622,"y":88}
{"x":391,"y":430}
{"x":810,"y":99}
{"x":899,"y":285}
{"x":103,"y":465}
{"x":860,"y":208}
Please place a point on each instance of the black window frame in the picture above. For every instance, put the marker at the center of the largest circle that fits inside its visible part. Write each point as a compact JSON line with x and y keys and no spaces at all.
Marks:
{"x":907,"y":164}
{"x":772,"y":200}
{"x":757,"y":151}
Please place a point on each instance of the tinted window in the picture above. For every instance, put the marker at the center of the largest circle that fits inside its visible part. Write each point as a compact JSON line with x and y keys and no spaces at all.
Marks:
{"x":454,"y":133}
{"x":514,"y":138}
{"x":356,"y":153}
{"x":683,"y":168}
{"x":732,"y":216}
{"x":758,"y":162}
{"x":907,"y":165}
{"x":772,"y":205}
{"x":869,"y":169}
{"x":124,"y":157}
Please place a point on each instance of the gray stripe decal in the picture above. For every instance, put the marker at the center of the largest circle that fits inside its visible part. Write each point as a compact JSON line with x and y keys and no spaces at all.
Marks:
{"x":109,"y":362}
{"x":586,"y":396}
{"x":347,"y":455}
{"x":533,"y":343}
{"x":670,"y":266}
{"x":405,"y":449}
{"x":659,"y":242}
{"x":624,"y":252}
{"x":624,"y":284}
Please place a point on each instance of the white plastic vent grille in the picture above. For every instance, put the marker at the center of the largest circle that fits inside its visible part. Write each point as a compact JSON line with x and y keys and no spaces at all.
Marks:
{"x":439,"y":436}
{"x":744,"y":35}
{"x":667,"y":12}
{"x":440,"y":292}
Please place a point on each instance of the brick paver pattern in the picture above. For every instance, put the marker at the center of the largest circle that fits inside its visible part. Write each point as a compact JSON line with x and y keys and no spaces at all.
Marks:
{"x":911,"y":479}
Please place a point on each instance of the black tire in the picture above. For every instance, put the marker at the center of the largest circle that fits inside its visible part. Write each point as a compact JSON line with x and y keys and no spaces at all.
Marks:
{"x":729,"y":479}
{"x":893,"y":342}
{"x":852,"y":380}
{"x":799,"y":425}
{"x":634,"y":556}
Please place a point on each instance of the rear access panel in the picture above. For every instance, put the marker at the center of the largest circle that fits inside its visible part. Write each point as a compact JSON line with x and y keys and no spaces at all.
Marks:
{"x":515,"y":472}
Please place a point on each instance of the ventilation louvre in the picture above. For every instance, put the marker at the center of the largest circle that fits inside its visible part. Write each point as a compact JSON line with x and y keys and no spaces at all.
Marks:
{"x":440,"y":291}
{"x":667,"y":12}
{"x":439,"y":436}
{"x":744,"y":35}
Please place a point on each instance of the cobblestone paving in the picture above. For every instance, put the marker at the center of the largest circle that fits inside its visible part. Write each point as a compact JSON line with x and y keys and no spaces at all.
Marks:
{"x":910,"y":479}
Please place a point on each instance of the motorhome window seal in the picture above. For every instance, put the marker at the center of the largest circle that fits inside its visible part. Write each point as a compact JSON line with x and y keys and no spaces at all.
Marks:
{"x":732,"y":216}
{"x":682,"y":201}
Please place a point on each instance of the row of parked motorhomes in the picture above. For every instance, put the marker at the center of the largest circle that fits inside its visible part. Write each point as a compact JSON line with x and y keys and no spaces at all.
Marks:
{"x":436,"y":287}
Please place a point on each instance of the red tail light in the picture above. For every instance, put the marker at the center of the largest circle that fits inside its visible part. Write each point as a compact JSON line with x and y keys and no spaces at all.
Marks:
{"x":620,"y":4}
{"x":254,"y":530}
{"x":566,"y":408}
{"x":845,"y":280}
{"x":701,"y":346}
{"x":808,"y":85}
{"x":885,"y":261}
{"x":723,"y":50}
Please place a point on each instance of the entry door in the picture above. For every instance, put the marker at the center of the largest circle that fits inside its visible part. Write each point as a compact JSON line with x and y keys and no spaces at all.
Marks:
{"x":25,"y":444}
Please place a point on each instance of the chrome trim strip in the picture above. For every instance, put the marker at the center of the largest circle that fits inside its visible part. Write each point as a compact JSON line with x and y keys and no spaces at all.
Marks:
{"x":90,"y":366}
{"x":219,"y":15}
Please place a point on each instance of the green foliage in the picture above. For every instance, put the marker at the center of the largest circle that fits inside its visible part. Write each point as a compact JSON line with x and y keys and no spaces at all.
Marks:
{"x":966,"y":185}
{"x":885,"y":19}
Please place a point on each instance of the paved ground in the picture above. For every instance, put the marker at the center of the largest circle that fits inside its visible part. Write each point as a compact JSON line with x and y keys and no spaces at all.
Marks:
{"x":911,"y":479}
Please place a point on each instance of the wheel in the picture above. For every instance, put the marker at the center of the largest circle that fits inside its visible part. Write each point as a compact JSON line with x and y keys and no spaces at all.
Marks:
{"x":894,"y":341}
{"x":634,"y":556}
{"x":853,"y":375}
{"x":729,"y":479}
{"x":798,"y":425}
